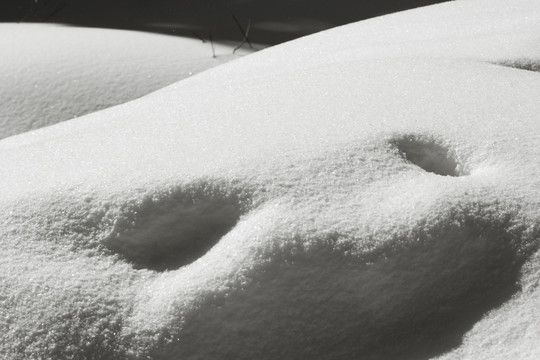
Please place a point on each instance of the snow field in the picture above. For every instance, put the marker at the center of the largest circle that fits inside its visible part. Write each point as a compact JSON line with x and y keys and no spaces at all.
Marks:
{"x":316,"y":199}
{"x":52,"y":73}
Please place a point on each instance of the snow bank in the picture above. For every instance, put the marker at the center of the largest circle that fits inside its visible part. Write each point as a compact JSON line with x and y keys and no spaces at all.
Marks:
{"x":51,"y":73}
{"x":325,"y":198}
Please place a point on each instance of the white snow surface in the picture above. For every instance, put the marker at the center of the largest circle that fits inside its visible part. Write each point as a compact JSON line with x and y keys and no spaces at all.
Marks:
{"x":368,"y":192}
{"x":51,"y":73}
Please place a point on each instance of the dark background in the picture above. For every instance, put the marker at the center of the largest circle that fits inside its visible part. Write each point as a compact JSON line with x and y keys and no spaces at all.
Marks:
{"x":272,"y":21}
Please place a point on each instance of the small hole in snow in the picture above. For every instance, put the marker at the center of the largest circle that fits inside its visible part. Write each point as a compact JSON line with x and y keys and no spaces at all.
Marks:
{"x":522,"y":64}
{"x":428,"y":154}
{"x":170,"y":230}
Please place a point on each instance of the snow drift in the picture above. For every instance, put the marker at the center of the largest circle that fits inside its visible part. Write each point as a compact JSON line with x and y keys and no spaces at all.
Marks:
{"x":52,"y":73}
{"x":367,"y":192}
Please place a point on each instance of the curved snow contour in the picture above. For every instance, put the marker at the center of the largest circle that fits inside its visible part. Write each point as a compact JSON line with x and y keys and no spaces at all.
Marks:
{"x":168,"y":230}
{"x":52,"y":73}
{"x":367,"y":192}
{"x":308,"y":292}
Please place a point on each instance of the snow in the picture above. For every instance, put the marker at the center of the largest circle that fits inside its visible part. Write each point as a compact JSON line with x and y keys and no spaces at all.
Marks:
{"x":366,"y":192}
{"x":52,"y":73}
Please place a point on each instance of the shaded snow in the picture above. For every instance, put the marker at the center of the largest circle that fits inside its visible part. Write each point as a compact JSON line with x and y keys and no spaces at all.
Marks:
{"x":367,"y":192}
{"x":51,"y":73}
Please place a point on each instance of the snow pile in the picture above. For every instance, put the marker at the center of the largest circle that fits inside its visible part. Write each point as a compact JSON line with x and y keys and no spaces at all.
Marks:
{"x":51,"y":73}
{"x":366,"y":192}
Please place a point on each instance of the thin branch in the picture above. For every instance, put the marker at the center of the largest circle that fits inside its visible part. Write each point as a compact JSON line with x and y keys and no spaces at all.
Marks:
{"x":245,"y":34}
{"x":199,"y":37}
{"x":239,"y":25}
{"x":58,"y":8}
{"x":210,"y":35}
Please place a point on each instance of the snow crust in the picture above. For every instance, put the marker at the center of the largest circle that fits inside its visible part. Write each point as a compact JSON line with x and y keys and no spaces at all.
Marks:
{"x":367,"y":192}
{"x":52,"y":73}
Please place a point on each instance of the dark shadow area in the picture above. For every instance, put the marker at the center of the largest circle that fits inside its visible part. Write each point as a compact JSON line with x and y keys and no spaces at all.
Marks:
{"x":410,"y":302}
{"x":428,"y":154}
{"x":521,"y":64}
{"x":272,"y":22}
{"x":475,"y":273}
{"x":174,"y":229}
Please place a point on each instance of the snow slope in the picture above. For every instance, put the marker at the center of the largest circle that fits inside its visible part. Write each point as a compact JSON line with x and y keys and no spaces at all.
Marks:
{"x":367,"y":192}
{"x":51,"y":73}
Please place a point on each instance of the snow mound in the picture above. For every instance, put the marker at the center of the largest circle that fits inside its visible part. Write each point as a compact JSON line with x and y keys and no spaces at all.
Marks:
{"x":366,"y":192}
{"x":299,"y":293}
{"x":51,"y":73}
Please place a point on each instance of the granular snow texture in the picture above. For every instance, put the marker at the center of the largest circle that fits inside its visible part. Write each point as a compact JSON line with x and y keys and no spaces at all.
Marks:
{"x":369,"y":192}
{"x":52,"y":73}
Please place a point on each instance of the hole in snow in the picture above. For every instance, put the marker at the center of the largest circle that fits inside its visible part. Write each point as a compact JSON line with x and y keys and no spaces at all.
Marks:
{"x":428,"y":154}
{"x":522,"y":64}
{"x":412,"y":298}
{"x":170,"y":230}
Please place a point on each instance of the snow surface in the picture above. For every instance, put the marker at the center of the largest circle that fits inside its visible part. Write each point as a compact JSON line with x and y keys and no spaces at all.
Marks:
{"x":52,"y":73}
{"x":367,"y":192}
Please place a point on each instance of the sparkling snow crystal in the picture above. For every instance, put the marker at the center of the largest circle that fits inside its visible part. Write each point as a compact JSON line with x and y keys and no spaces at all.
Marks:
{"x":368,"y":192}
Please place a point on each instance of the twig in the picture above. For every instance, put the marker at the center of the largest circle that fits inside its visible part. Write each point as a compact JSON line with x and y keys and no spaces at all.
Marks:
{"x":245,"y":34}
{"x":210,"y":36}
{"x":199,"y":37}
{"x":58,"y":8}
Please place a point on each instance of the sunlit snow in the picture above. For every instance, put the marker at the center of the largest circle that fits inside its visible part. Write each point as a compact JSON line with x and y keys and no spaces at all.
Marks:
{"x":368,"y":192}
{"x":51,"y":73}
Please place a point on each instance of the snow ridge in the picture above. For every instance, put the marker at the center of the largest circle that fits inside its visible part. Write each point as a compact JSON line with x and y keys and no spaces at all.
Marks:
{"x":346,"y":195}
